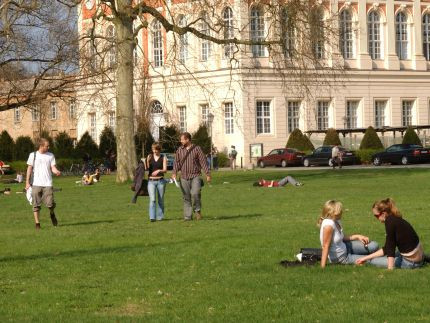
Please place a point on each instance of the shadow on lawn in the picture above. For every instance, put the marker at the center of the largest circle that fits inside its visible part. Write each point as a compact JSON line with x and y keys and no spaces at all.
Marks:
{"x":233,"y":217}
{"x":88,"y":223}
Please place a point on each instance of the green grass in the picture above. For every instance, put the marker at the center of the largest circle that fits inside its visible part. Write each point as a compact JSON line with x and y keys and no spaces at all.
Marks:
{"x":107,"y":262}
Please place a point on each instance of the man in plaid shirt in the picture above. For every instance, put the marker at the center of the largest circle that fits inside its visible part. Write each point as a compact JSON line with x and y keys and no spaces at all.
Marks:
{"x":190,"y":160}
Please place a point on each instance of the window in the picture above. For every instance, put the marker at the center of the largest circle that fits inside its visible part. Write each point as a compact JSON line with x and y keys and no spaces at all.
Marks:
{"x":183,"y":118}
{"x":374,"y":31}
{"x":293,"y":115}
{"x":183,"y":41}
{"x":322,"y":115}
{"x":93,"y":126}
{"x":112,"y":120}
{"x":205,"y":113}
{"x":263,"y":117}
{"x":407,"y":112}
{"x":17,"y":115}
{"x":110,"y":33}
{"x":156,"y":107}
{"x":317,"y":33}
{"x":401,"y":36}
{"x":205,"y":49}
{"x":351,"y":114}
{"x":380,"y":113}
{"x":135,"y":52}
{"x":346,"y":35}
{"x":287,"y":34}
{"x":157,"y":44}
{"x":257,"y":32}
{"x":53,"y":110}
{"x":426,"y":36}
{"x":72,"y":109}
{"x":228,"y":32}
{"x":228,"y":118}
{"x":35,"y":113}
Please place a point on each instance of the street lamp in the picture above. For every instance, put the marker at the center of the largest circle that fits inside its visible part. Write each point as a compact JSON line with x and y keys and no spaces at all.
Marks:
{"x":210,"y":121}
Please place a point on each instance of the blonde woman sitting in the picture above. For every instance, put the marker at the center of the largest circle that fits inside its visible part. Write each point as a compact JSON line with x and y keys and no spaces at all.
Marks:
{"x":87,"y":179}
{"x":337,"y":247}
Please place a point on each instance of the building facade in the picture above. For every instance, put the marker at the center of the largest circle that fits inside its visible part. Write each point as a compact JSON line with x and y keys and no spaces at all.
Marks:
{"x":383,"y":48}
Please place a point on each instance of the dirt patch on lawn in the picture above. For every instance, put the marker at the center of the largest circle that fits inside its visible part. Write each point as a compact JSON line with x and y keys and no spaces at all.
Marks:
{"x":126,"y":310}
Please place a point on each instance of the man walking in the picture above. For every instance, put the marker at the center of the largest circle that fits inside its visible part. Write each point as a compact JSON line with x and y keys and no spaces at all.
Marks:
{"x":190,"y":160}
{"x":232,"y":156}
{"x":41,"y":165}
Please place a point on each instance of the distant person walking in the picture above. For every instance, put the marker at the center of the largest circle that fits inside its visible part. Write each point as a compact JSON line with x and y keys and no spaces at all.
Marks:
{"x":157,"y":167}
{"x":232,"y":156}
{"x":190,"y":160}
{"x":41,"y":165}
{"x":336,"y":156}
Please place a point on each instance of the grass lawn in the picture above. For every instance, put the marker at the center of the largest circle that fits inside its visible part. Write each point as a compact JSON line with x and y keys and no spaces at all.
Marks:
{"x":107,"y":262}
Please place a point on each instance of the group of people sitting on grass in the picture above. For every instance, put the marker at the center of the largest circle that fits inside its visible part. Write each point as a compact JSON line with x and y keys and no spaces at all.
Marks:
{"x":339,"y":248}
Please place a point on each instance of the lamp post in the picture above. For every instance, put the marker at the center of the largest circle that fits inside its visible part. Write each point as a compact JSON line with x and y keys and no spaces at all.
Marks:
{"x":210,"y":121}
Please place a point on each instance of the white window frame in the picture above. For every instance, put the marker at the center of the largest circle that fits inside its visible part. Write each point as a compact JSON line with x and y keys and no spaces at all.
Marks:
{"x":380,"y":120}
{"x":318,"y":47}
{"x":228,"y":19}
{"x":323,"y":107}
{"x":92,"y":125}
{"x":183,"y":41}
{"x":205,"y":45}
{"x":426,"y":35}
{"x":402,"y":35}
{"x":229,"y":118}
{"x":375,"y":35}
{"x":263,"y":113}
{"x":53,"y":110}
{"x":407,"y":112}
{"x":182,"y":111}
{"x":346,"y":34}
{"x":112,"y":120}
{"x":204,"y":109}
{"x":257,"y":31}
{"x":35,"y":113}
{"x":157,"y":44}
{"x":351,"y":113}
{"x":293,"y":115}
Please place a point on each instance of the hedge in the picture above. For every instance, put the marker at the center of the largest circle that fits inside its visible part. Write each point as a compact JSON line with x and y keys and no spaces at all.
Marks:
{"x":223,"y":160}
{"x":411,"y":137}
{"x":331,"y":138}
{"x":371,"y":140}
{"x":364,"y":156}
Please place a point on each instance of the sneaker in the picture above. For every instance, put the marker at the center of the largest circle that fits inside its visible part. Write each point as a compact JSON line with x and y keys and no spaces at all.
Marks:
{"x":54,"y":220}
{"x":299,"y":184}
{"x":198,"y":216}
{"x":37,"y":226}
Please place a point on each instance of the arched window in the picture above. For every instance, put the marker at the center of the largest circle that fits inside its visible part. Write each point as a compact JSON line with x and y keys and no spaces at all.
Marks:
{"x":374,"y":32}
{"x":228,"y":32}
{"x":257,"y":31}
{"x":288,"y":32}
{"x":156,"y":107}
{"x":401,"y":36}
{"x":205,"y":50}
{"x":157,"y":44}
{"x":426,"y":36}
{"x":183,"y":41}
{"x":346,"y":35}
{"x":110,"y":35}
{"x":317,"y":32}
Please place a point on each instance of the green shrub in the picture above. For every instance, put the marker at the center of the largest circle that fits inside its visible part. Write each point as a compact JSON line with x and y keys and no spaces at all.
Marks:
{"x":371,"y":140}
{"x":64,"y":164}
{"x":201,"y":138}
{"x":19,"y":166}
{"x":299,"y":141}
{"x":331,"y":138}
{"x":364,"y":156}
{"x":23,"y":147}
{"x":223,"y":160}
{"x":86,"y":145}
{"x":107,"y":142}
{"x":63,"y":146}
{"x":169,"y":138}
{"x":7,"y":146}
{"x":411,"y":137}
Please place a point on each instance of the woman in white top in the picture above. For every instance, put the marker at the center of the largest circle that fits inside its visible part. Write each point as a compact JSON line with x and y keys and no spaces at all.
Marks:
{"x":336,"y":246}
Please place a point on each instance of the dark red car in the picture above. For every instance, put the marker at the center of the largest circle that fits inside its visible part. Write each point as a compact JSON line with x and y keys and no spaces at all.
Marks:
{"x":281,"y":157}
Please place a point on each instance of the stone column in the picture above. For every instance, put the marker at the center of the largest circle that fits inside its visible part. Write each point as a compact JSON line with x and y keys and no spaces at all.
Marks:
{"x":418,"y":61}
{"x":391,"y":60}
{"x":364,"y":60}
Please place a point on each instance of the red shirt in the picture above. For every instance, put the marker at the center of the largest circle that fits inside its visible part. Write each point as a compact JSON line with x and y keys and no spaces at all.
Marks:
{"x":269,"y":184}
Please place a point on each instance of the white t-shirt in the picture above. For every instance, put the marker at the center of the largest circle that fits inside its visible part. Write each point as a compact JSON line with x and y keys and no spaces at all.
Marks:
{"x":42,"y":168}
{"x":337,"y":251}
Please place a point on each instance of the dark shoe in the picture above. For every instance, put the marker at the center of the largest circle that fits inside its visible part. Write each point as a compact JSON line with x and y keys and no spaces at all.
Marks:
{"x":152,"y":220}
{"x":54,"y":220}
{"x":37,"y":226}
{"x":198,"y":216}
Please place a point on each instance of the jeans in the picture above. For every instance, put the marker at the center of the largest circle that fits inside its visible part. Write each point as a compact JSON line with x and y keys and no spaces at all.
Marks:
{"x":356,"y":250}
{"x":191,"y":192}
{"x":288,"y":179}
{"x":156,"y":190}
{"x":399,"y":262}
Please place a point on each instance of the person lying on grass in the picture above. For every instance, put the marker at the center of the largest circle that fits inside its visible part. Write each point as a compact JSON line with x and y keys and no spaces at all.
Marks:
{"x":337,"y":247}
{"x":288,"y":179}
{"x":399,"y":233}
{"x":87,"y":179}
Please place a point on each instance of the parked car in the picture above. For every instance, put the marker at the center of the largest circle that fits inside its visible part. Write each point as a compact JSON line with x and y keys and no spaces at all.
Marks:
{"x":322,"y":156}
{"x":170,"y":160}
{"x":281,"y":157}
{"x":402,"y":154}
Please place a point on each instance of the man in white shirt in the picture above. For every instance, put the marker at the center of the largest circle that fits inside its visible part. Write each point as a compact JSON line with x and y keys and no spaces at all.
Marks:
{"x":41,"y":165}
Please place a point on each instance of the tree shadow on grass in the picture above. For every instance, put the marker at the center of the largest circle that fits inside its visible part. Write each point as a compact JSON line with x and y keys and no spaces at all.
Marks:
{"x":233,"y":217}
{"x":88,"y":223}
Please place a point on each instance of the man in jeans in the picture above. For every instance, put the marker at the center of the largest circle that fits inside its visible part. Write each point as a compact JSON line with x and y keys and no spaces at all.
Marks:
{"x":190,"y":160}
{"x":41,"y":165}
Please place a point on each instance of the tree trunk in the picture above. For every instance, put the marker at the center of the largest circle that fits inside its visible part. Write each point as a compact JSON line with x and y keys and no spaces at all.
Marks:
{"x":126,"y":153}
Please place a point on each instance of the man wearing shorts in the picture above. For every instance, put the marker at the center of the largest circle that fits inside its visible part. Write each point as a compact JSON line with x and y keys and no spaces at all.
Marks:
{"x":41,"y":165}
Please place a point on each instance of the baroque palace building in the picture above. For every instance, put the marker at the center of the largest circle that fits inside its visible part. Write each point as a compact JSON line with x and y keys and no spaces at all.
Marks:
{"x":384,"y":48}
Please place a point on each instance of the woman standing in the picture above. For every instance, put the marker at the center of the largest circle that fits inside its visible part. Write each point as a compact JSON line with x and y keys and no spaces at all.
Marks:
{"x":157,"y":166}
{"x":400,"y":234}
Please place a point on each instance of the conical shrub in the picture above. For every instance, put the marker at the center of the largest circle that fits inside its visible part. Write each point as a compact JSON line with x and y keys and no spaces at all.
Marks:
{"x":411,"y":137}
{"x":371,"y":140}
{"x":331,"y":138}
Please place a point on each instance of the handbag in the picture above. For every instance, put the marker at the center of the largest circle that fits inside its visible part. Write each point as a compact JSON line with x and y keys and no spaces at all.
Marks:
{"x":311,"y":254}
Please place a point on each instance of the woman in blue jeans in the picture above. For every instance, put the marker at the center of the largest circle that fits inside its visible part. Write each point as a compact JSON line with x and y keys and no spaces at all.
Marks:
{"x":399,"y":233}
{"x":337,"y":247}
{"x":157,"y":167}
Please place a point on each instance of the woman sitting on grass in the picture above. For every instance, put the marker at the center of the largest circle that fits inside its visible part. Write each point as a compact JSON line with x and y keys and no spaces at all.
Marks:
{"x":337,"y":247}
{"x":399,"y":233}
